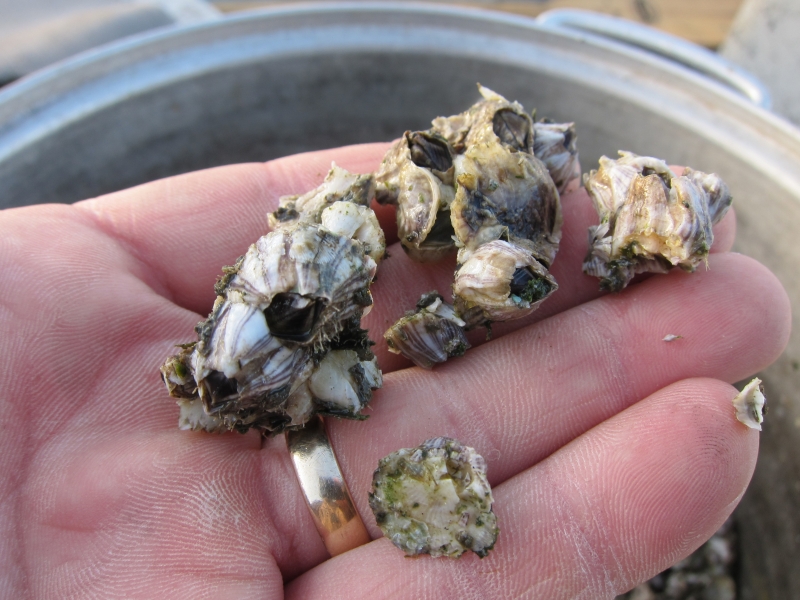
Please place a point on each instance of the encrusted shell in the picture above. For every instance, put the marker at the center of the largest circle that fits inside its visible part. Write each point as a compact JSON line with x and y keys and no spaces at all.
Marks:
{"x":435,"y":499}
{"x":650,"y":219}
{"x":505,"y":195}
{"x":487,"y":161}
{"x":430,"y":334}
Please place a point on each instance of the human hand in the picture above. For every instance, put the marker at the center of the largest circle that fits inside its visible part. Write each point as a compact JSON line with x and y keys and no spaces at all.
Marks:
{"x":612,"y":453}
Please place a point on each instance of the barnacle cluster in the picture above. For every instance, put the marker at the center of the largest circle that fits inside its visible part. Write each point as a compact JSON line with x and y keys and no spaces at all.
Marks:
{"x":435,"y":499}
{"x":651,"y":220}
{"x":486,"y":182}
{"x":283,"y":341}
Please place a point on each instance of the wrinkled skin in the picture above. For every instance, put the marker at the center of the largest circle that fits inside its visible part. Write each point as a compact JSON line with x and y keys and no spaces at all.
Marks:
{"x":611,"y":453}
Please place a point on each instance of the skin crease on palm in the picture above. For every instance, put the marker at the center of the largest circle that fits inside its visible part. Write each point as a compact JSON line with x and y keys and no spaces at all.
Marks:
{"x":612,"y":453}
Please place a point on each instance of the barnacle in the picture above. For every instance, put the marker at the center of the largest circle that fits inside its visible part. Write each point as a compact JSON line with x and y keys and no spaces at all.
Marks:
{"x":283,"y":339}
{"x":417,"y":175}
{"x":430,"y":334}
{"x":492,"y":197}
{"x":500,"y":280}
{"x":435,"y":499}
{"x":651,"y":220}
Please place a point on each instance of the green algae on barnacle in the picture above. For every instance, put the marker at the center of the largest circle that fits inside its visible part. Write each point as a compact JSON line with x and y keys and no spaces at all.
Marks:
{"x":651,"y":220}
{"x":283,"y":341}
{"x":435,"y":499}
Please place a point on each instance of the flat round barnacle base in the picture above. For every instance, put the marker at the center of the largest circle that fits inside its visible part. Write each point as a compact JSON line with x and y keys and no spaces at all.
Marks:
{"x":435,"y":499}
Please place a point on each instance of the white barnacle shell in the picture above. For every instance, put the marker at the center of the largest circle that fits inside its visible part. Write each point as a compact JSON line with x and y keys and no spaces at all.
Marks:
{"x":650,"y":219}
{"x":339,"y":185}
{"x":749,"y":404}
{"x":430,"y":334}
{"x":193,"y":417}
{"x":555,"y":145}
{"x":435,"y":499}
{"x":503,"y":281}
{"x":417,"y":175}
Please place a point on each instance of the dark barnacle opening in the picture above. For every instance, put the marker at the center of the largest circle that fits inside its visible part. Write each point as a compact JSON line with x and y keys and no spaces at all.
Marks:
{"x":567,"y":138}
{"x":650,"y":171}
{"x":292,"y":317}
{"x":442,"y":231}
{"x":513,"y":130}
{"x":352,"y":337}
{"x":429,"y":152}
{"x":219,"y":387}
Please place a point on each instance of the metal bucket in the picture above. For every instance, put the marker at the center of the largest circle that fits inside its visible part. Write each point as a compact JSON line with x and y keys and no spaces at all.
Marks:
{"x":271,"y":83}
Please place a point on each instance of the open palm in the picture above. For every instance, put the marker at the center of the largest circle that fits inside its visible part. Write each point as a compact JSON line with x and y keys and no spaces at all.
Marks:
{"x":612,"y":453}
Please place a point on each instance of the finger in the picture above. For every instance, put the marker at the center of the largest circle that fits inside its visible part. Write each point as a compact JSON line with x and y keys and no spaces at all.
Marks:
{"x":186,"y":228}
{"x":522,"y":397}
{"x":609,"y":510}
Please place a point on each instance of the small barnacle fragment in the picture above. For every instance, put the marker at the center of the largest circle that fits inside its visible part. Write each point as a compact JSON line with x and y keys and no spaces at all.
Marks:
{"x":430,"y":334}
{"x":435,"y":499}
{"x":283,"y":340}
{"x":651,"y":220}
{"x":749,"y":404}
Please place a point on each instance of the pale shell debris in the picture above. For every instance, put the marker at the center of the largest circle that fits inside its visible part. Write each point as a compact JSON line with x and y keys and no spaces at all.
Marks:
{"x":749,"y":404}
{"x":435,"y":499}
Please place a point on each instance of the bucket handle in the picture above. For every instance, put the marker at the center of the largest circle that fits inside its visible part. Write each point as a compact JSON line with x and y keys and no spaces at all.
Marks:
{"x":663,"y":44}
